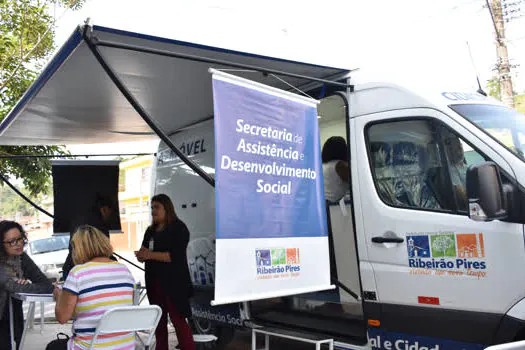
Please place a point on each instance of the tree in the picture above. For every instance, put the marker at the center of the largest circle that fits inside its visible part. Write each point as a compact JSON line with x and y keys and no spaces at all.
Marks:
{"x":26,"y":42}
{"x":494,"y":90}
{"x":12,"y":204}
{"x":442,"y":243}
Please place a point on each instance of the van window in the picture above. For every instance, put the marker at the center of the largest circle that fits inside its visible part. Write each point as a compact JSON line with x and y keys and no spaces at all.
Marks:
{"x":407,"y":166}
{"x":420,"y":164}
{"x":504,"y":124}
{"x":460,"y":156}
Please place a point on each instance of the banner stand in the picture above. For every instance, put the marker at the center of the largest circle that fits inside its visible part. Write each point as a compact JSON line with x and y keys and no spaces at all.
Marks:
{"x":271,"y":230}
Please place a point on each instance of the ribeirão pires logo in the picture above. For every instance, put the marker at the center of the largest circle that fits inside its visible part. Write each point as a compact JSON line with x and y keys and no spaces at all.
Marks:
{"x":447,"y":251}
{"x":277,"y":262}
{"x":443,"y":246}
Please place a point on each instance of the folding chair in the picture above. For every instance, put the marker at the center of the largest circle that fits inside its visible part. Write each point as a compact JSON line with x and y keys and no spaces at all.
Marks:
{"x":139,"y":294}
{"x":129,"y":319}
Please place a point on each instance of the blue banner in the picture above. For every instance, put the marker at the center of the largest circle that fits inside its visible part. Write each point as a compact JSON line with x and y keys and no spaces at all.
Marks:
{"x":270,"y":208}
{"x":268,"y":165}
{"x":385,"y":340}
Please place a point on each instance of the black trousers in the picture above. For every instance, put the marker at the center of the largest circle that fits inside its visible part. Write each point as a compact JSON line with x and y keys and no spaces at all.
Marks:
{"x":18,"y":318}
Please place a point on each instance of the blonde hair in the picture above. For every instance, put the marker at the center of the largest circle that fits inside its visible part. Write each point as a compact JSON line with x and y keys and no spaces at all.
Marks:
{"x":88,"y":243}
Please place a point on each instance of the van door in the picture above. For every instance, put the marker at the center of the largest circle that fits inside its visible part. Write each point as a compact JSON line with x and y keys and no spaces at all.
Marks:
{"x":438,"y":273}
{"x":333,"y":313}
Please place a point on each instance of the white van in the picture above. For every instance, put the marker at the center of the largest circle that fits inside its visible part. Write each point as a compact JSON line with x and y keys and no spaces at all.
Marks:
{"x":426,"y":247}
{"x":430,"y":276}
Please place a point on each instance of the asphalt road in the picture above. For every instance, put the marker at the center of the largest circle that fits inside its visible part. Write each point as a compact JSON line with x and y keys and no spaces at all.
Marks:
{"x":243,"y":341}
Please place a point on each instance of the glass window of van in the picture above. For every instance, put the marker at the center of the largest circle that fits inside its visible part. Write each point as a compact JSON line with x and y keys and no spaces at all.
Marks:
{"x":407,"y":165}
{"x":421,"y":164}
{"x":504,"y":124}
{"x":460,"y":156}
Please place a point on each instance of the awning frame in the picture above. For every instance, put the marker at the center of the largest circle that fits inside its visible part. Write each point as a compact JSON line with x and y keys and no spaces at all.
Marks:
{"x":85,"y":34}
{"x":90,"y":38}
{"x":90,"y":41}
{"x":93,"y":43}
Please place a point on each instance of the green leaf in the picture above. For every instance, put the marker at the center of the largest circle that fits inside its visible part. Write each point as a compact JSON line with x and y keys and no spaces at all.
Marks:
{"x":26,"y":27}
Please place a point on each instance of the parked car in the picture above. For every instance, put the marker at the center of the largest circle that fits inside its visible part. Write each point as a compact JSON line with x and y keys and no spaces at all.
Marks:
{"x":49,"y":254}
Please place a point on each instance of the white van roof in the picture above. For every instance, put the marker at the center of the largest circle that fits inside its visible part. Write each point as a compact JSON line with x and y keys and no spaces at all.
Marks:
{"x":75,"y":101}
{"x":380,"y":94}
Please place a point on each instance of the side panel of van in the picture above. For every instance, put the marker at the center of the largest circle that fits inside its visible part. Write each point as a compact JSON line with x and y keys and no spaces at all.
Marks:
{"x":439,"y":274}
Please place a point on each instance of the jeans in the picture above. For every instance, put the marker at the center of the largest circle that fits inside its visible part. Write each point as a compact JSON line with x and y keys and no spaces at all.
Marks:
{"x":157,"y":296}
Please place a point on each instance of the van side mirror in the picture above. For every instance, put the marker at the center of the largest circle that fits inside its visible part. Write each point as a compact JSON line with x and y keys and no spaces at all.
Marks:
{"x":487,"y":200}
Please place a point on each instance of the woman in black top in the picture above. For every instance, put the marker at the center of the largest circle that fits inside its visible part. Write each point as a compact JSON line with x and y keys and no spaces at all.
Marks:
{"x":168,"y":282}
{"x":18,"y":274}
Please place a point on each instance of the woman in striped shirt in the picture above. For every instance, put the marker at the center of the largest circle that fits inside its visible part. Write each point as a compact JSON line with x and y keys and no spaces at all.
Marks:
{"x":95,"y":285}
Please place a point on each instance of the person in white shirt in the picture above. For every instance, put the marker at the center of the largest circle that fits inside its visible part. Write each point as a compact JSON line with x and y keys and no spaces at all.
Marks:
{"x":335,"y":168}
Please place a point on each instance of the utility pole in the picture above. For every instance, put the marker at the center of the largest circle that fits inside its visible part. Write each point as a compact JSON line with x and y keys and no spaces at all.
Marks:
{"x":503,"y":65}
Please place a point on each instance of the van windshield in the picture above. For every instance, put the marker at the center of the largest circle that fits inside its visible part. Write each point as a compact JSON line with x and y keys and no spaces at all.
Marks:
{"x":47,"y":245}
{"x":504,"y":124}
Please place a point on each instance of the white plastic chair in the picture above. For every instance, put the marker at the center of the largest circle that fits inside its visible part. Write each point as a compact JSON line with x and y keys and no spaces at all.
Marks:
{"x":129,"y":319}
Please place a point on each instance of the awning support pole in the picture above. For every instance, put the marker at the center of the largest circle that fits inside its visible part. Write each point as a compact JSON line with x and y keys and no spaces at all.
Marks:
{"x":42,"y":210}
{"x":141,"y":111}
{"x":23,"y":196}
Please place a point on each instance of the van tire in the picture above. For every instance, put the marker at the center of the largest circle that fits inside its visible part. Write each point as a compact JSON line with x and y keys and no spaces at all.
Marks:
{"x":224,"y":334}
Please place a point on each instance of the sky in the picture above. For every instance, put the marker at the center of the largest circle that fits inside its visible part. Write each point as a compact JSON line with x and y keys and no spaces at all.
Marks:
{"x":421,"y":42}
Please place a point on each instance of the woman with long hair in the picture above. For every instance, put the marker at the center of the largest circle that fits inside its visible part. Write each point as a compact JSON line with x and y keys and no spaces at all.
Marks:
{"x":168,"y":282}
{"x":18,"y":274}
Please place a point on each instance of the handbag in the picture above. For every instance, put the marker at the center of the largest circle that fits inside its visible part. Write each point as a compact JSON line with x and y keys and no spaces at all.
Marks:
{"x":59,"y":343}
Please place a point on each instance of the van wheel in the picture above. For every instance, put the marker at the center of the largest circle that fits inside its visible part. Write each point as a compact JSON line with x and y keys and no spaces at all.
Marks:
{"x":224,"y":334}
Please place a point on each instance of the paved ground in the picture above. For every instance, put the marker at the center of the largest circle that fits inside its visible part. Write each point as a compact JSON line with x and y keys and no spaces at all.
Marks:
{"x":37,"y":341}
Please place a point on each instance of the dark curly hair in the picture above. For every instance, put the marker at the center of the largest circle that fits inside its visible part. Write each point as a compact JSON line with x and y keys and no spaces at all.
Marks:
{"x":5,"y":226}
{"x":334,"y":149}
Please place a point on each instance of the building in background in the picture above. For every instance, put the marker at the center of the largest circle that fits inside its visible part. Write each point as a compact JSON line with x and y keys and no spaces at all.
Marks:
{"x":134,"y":196}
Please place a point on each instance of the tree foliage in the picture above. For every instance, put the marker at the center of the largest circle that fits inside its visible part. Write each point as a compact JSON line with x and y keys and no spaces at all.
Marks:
{"x":495,"y":91}
{"x":519,"y":102}
{"x":27,"y":32}
{"x":494,"y":88}
{"x":34,"y":172}
{"x":12,"y":204}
